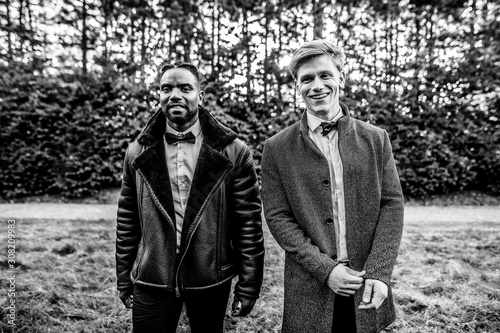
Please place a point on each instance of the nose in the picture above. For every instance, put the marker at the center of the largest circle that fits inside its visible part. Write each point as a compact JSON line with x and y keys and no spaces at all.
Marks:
{"x":175,"y":94}
{"x":317,"y":84}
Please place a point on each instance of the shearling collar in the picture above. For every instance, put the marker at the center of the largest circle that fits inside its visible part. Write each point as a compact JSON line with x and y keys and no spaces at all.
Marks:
{"x":215,"y":134}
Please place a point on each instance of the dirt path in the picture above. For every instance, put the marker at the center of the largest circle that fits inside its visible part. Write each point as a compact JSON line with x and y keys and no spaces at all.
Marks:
{"x":57,"y":211}
{"x":62,"y":211}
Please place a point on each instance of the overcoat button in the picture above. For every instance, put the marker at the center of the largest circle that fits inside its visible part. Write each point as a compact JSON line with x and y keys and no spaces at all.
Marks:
{"x":329,"y":221}
{"x":326,"y":183}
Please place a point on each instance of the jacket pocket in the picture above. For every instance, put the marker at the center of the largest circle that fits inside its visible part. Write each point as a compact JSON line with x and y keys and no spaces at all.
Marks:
{"x":137,"y":262}
{"x":227,"y":270}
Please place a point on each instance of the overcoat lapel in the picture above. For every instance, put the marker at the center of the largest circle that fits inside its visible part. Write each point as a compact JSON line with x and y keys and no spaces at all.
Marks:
{"x":303,"y":131}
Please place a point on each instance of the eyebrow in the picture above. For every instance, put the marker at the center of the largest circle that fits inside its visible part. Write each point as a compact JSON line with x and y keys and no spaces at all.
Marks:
{"x":181,"y":85}
{"x":306,"y":76}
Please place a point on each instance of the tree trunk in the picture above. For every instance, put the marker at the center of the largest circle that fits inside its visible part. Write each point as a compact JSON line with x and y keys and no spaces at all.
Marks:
{"x":30,"y":26}
{"x":131,"y":38}
{"x":143,"y":47}
{"x":21,"y":25}
{"x":218,"y":40}
{"x":318,"y":14}
{"x":170,"y":43}
{"x":84,"y":45}
{"x":374,"y":54}
{"x":280,"y":49}
{"x":472,"y":39}
{"x":395,"y":46}
{"x":416,"y":79}
{"x":107,"y":11}
{"x":267,"y":12}
{"x":9,"y":33}
{"x":387,"y":47}
{"x":212,"y":42}
{"x":246,"y":39}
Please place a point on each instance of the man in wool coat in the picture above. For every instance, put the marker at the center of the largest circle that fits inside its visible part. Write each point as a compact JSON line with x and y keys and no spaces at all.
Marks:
{"x":189,"y":216}
{"x":333,"y":201}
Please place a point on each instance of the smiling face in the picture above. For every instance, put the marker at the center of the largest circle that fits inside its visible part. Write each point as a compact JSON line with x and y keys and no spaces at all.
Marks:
{"x":319,"y":82}
{"x":180,"y":95}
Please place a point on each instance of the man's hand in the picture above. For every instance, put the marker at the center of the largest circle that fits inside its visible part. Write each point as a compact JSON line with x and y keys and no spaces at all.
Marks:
{"x":242,"y":306}
{"x":127,"y":299}
{"x":344,"y":280}
{"x":374,"y":294}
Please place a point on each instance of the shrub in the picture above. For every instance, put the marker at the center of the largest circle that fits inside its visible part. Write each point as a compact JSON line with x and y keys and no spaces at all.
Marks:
{"x":68,"y":135}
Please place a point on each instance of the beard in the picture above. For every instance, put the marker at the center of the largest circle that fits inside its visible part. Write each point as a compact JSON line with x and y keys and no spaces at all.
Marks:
{"x":180,"y":118}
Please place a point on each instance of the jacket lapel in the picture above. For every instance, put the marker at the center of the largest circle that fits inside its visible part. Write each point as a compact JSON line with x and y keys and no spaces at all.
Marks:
{"x":152,"y":166}
{"x":211,"y":169}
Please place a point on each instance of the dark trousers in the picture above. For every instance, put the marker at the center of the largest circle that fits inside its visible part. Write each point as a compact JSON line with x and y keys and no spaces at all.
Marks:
{"x":344,"y":316}
{"x":158,"y":311}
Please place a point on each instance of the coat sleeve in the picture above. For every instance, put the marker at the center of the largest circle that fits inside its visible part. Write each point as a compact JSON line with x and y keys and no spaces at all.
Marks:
{"x":384,"y":251}
{"x":283,"y":224}
{"x":246,"y":212}
{"x":128,"y":231}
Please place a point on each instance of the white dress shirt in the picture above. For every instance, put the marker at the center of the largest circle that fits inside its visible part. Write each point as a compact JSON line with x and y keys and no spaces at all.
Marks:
{"x":328,"y":145}
{"x":181,"y":163}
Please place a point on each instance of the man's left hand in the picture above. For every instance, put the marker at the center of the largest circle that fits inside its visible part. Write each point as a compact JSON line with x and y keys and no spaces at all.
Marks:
{"x":242,"y":306}
{"x":374,"y":294}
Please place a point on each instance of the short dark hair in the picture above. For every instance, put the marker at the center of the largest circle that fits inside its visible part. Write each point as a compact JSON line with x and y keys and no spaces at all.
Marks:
{"x":313,"y":49}
{"x":186,"y":65}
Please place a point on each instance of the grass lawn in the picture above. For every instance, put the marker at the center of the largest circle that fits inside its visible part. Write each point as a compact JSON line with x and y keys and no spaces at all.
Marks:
{"x":447,"y":280}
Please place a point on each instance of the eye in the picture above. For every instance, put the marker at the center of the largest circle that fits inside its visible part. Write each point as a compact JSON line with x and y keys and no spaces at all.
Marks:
{"x":326,"y":76}
{"x":165,"y":89}
{"x":306,"y":80}
{"x":186,"y":89}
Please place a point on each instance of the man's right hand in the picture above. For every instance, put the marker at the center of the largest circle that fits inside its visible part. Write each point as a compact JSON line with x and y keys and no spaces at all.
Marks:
{"x":128,"y":300}
{"x":344,"y":280}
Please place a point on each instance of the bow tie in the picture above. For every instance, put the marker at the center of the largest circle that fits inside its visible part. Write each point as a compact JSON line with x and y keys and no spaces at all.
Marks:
{"x":327,"y":126}
{"x":172,"y":138}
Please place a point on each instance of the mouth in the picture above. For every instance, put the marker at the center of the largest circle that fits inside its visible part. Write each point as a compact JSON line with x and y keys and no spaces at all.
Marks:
{"x":319,"y":96}
{"x":174,"y":107}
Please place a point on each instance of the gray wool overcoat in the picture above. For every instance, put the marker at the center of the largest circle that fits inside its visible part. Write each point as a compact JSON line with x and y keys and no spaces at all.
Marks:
{"x":298,"y":209}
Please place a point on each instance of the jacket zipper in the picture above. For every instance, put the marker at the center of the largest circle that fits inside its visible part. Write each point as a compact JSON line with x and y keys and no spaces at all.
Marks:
{"x":142,"y":227}
{"x":198,"y":218}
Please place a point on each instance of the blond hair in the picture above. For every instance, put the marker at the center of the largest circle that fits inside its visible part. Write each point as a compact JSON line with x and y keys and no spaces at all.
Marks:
{"x":313,"y":49}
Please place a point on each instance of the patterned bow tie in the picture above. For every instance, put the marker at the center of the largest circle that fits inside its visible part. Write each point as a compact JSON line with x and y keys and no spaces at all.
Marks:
{"x":327,"y":126}
{"x":172,"y":138}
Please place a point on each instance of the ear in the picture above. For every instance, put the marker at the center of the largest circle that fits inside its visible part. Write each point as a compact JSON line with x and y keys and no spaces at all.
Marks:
{"x":201,"y":93}
{"x":297,"y":88}
{"x":342,"y":79}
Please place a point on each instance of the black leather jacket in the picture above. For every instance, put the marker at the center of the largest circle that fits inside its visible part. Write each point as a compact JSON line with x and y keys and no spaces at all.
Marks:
{"x":222,"y":231}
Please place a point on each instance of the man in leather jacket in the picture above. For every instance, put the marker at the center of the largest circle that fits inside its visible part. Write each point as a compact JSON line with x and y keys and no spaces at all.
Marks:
{"x":189,"y":215}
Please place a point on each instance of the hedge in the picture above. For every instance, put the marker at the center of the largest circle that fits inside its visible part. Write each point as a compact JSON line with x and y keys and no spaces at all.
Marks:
{"x":68,"y":136}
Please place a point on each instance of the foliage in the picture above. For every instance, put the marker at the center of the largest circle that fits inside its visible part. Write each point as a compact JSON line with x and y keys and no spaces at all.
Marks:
{"x":427,"y":71}
{"x":438,"y":150}
{"x":66,"y":136}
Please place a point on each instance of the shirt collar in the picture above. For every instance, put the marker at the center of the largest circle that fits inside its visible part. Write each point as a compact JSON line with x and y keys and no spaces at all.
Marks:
{"x":195,"y":129}
{"x":313,"y":122}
